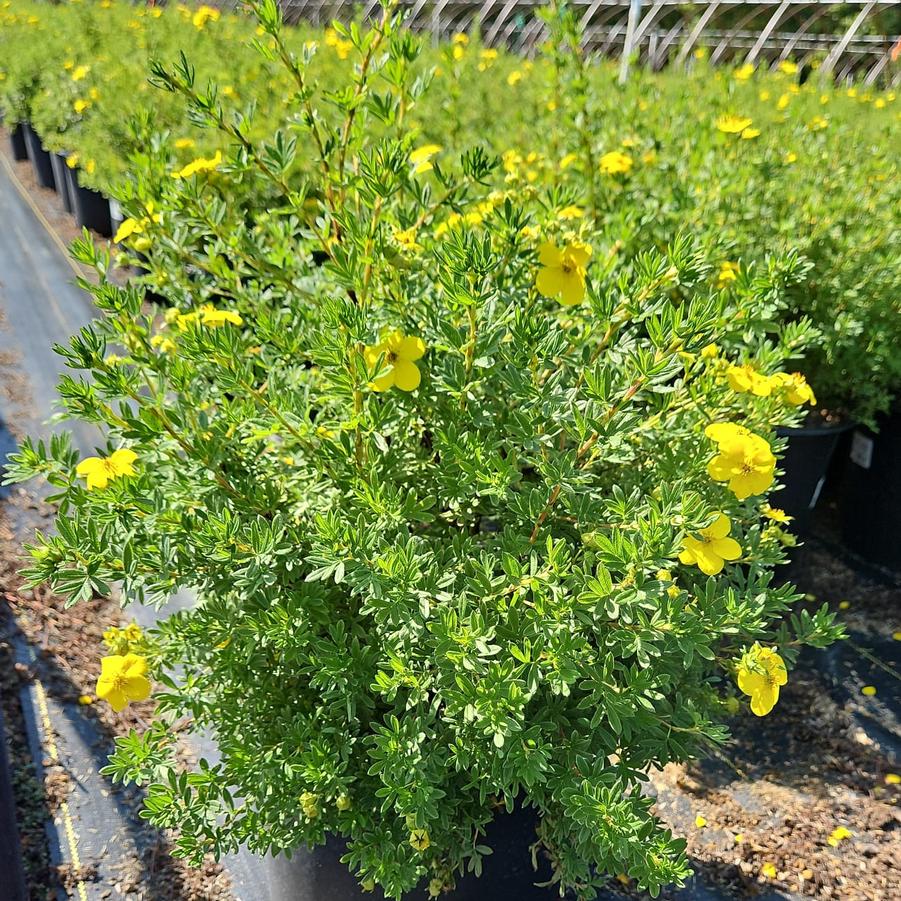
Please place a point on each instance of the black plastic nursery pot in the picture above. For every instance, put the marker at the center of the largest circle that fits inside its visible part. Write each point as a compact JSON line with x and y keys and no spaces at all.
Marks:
{"x":507,"y":873}
{"x":806,"y":462}
{"x":58,"y":162}
{"x":871,"y":496}
{"x":40,"y":158}
{"x":17,"y":143}
{"x":90,"y":207}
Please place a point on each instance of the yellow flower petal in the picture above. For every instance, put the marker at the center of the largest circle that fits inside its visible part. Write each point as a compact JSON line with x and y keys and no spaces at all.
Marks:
{"x":406,"y":375}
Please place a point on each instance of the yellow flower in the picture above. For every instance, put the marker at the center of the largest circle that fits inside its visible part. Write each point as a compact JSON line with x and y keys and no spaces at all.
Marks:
{"x":184,"y":143}
{"x":398,"y":352}
{"x":791,"y":158}
{"x":709,"y":352}
{"x":892,"y":779}
{"x":163,"y":343}
{"x":79,"y":73}
{"x":700,"y":821}
{"x":775,"y":514}
{"x":199,"y":165}
{"x":90,"y":166}
{"x":713,"y":548}
{"x":817,"y":123}
{"x":728,"y":273}
{"x":205,"y":14}
{"x":122,"y":680}
{"x":562,"y":273}
{"x":839,"y":834}
{"x":844,"y":605}
{"x":787,"y":67}
{"x":343,"y":802}
{"x":100,"y":471}
{"x":72,"y":160}
{"x":746,"y":379}
{"x":214,"y":318}
{"x":407,"y":239}
{"x":796,"y":389}
{"x":733,"y":125}
{"x":750,"y":133}
{"x":568,"y":160}
{"x":514,"y":78}
{"x":133,"y":632}
{"x":764,"y":96}
{"x":343,"y":49}
{"x":460,"y":38}
{"x":768,"y":870}
{"x":85,"y":700}
{"x":571,"y":212}
{"x":760,"y":673}
{"x":743,"y":73}
{"x":868,"y":690}
{"x":128,"y":228}
{"x":310,"y":805}
{"x":80,"y":105}
{"x":616,"y":163}
{"x":422,"y":156}
{"x":745,"y":460}
{"x":419,"y":839}
{"x":783,"y":102}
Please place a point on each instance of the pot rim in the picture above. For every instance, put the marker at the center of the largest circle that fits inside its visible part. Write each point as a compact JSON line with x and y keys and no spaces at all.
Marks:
{"x":815,"y":431}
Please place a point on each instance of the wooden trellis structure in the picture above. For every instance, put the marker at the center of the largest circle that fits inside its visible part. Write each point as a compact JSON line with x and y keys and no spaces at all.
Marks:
{"x":660,"y":32}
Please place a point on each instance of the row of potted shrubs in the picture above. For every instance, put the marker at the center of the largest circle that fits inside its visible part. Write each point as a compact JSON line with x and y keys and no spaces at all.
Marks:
{"x":58,"y":172}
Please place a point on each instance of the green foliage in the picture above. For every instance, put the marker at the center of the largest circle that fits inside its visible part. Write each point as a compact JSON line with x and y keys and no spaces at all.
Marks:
{"x":438,"y":576}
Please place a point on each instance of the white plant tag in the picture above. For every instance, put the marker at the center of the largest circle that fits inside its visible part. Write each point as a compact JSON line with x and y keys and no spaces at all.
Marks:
{"x":862,"y":450}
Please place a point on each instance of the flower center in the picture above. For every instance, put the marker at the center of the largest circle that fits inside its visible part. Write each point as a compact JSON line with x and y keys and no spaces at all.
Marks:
{"x":391,"y":356}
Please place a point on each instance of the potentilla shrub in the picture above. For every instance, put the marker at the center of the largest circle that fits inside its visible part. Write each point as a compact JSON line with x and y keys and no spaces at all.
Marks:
{"x":471,"y":527}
